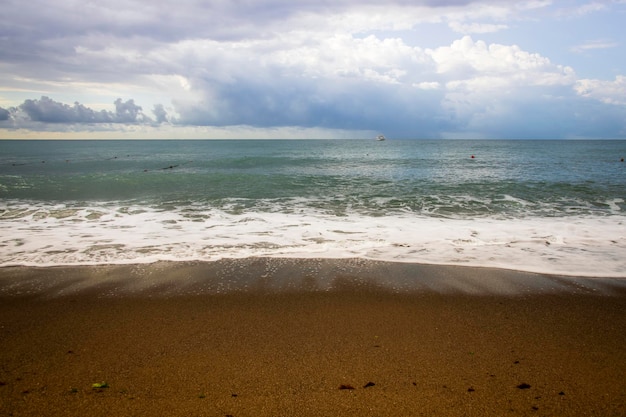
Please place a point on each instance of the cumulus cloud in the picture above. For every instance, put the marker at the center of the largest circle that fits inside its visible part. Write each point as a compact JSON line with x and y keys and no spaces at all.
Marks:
{"x":128,"y":112}
{"x":47,"y":110}
{"x":610,"y":92}
{"x":477,"y":62}
{"x":400,"y":67}
{"x":384,"y":82}
{"x":160,"y":113}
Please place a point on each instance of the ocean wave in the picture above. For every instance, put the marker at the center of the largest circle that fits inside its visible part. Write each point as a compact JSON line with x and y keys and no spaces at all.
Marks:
{"x":80,"y":234}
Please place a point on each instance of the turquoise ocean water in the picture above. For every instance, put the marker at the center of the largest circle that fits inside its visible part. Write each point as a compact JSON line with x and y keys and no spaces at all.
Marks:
{"x":546,"y":206}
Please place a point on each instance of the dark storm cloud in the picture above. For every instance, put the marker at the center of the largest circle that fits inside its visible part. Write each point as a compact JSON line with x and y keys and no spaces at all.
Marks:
{"x":342,"y":104}
{"x":160,"y":113}
{"x":128,"y":112}
{"x":47,"y":110}
{"x":4,"y":114}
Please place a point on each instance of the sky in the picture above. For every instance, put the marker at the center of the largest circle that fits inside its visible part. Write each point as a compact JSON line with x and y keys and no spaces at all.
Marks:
{"x":134,"y":69}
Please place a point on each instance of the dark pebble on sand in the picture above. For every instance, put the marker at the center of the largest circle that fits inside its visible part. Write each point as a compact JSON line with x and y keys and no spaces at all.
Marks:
{"x":470,"y":389}
{"x":523,"y":386}
{"x":342,"y":386}
{"x":369,"y":384}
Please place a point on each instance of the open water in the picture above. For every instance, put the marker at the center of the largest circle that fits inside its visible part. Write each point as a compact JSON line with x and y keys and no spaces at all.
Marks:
{"x":542,"y":206}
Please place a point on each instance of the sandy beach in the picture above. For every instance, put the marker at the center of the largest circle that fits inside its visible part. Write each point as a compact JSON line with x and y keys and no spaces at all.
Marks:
{"x":281,"y":337}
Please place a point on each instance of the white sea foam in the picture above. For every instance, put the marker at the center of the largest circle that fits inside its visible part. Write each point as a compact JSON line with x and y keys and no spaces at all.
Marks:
{"x":67,"y":235}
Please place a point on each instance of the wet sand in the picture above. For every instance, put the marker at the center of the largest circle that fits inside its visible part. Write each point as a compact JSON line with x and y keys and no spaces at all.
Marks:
{"x":261,"y":337}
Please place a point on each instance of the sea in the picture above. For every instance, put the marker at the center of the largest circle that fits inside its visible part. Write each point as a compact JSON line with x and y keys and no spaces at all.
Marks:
{"x":546,"y":206}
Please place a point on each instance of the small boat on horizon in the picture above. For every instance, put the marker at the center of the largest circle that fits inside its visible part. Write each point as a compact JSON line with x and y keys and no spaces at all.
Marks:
{"x":380,"y":138}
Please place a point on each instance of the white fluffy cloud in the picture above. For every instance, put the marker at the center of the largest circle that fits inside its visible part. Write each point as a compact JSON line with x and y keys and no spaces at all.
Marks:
{"x":610,"y":92}
{"x":476,"y":60}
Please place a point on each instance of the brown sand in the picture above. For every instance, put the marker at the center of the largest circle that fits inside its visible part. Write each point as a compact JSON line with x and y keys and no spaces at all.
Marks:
{"x":241,"y":338}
